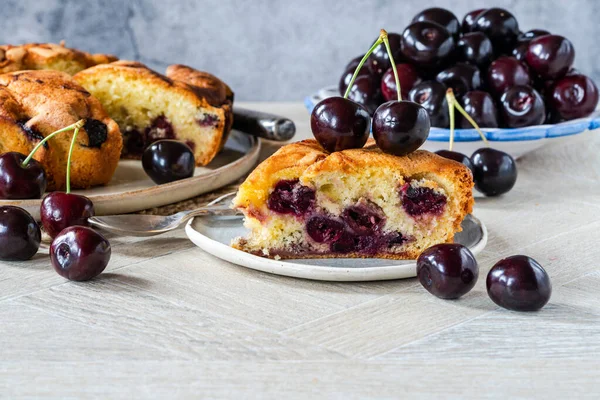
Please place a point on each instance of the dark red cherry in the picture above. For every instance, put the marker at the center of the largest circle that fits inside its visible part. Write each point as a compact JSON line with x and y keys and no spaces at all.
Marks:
{"x":60,"y":210}
{"x":456,"y":156}
{"x":519,"y":283}
{"x":20,"y":235}
{"x":481,"y":107}
{"x":550,"y":56}
{"x":324,"y":229}
{"x":379,"y":60}
{"x":400,"y":127}
{"x":349,"y":72}
{"x":468,"y":21}
{"x":475,"y":48}
{"x":339,"y":124}
{"x":506,"y":72}
{"x":526,"y":37}
{"x":79,"y":253}
{"x":407,"y":74}
{"x":442,"y":17}
{"x":447,"y":270}
{"x":291,"y":197}
{"x":522,"y":106}
{"x":420,"y":200}
{"x":168,"y":160}
{"x":364,"y":219}
{"x":461,"y":78}
{"x":500,"y":26}
{"x":366,"y":91}
{"x":574,"y":96}
{"x":431,"y":95}
{"x":427,"y":44}
{"x":520,"y":51}
{"x":494,"y":171}
{"x":18,"y":182}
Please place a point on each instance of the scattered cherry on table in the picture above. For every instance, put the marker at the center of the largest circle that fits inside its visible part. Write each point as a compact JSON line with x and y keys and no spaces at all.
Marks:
{"x":20,"y":235}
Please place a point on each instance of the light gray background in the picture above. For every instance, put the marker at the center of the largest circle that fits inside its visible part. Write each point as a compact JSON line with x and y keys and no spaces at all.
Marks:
{"x":266,"y":49}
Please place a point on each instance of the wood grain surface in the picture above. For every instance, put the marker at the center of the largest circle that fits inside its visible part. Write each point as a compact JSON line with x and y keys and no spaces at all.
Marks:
{"x":167,"y":320}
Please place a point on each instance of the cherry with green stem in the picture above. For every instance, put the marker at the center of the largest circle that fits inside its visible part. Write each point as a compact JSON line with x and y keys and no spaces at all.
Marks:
{"x":340,"y":123}
{"x":494,"y":171}
{"x":61,"y":210}
{"x":399,"y":126}
{"x":23,"y":177}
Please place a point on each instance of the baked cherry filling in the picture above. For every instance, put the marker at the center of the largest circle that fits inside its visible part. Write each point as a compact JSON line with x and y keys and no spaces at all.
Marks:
{"x":290,"y":197}
{"x":97,"y":132}
{"x":323,"y":229}
{"x":208,"y":120}
{"x":364,"y":219}
{"x":136,"y":141}
{"x":31,"y":133}
{"x":421,"y":200}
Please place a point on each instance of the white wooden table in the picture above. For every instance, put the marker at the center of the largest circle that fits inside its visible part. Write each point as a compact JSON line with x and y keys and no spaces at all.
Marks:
{"x":167,"y":320}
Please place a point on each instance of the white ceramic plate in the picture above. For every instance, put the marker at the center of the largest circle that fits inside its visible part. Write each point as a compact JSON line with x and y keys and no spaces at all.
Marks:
{"x":132,"y":190}
{"x":214,"y":234}
{"x":515,"y":142}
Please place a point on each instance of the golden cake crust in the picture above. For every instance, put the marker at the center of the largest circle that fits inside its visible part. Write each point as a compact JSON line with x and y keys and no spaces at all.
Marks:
{"x":306,"y":160}
{"x":40,"y":102}
{"x":184,"y":86}
{"x":39,"y":56}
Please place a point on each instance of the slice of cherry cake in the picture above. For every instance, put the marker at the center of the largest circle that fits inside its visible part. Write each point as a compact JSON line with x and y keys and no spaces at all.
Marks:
{"x":187,"y":105}
{"x":303,"y":202}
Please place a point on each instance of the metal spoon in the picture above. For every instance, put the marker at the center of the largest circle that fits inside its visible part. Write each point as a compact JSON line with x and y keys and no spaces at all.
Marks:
{"x":150,"y":225}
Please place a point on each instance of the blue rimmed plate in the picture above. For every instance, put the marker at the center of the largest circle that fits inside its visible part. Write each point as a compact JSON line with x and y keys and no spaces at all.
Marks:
{"x":513,"y":141}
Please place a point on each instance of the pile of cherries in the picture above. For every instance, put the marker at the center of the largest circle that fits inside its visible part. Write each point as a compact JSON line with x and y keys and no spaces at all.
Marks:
{"x":401,"y":126}
{"x":503,"y":77}
{"x":77,"y":252}
{"x":518,"y":283}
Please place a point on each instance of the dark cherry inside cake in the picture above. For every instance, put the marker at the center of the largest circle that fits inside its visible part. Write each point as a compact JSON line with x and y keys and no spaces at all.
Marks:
{"x":305,"y":203}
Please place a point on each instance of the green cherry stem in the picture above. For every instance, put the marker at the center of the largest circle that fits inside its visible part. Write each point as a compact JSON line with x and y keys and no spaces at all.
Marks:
{"x":69,"y":158}
{"x":77,"y":124}
{"x":456,"y":104}
{"x":450,"y":98}
{"x":386,"y":41}
{"x":361,"y":63}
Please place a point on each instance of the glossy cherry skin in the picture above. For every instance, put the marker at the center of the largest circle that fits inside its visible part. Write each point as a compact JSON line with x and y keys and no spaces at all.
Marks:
{"x":519,"y":283}
{"x":18,"y":182}
{"x":526,"y":37}
{"x":475,"y":48}
{"x":494,"y":171}
{"x":347,"y":76}
{"x":339,"y":124}
{"x":427,"y":44}
{"x":468,"y":21}
{"x":400,"y":127}
{"x":461,"y":78}
{"x":60,"y":210}
{"x":79,"y":253}
{"x":432,"y":96}
{"x":481,"y":107}
{"x":522,"y":106}
{"x":500,"y":26}
{"x":20,"y":235}
{"x":447,"y":270}
{"x":506,"y":72}
{"x":574,"y":96}
{"x":550,"y":56}
{"x":366,"y":91}
{"x":168,"y":160}
{"x":456,"y":156}
{"x":520,"y":51}
{"x":379,"y":60}
{"x":442,"y":17}
{"x":407,"y":74}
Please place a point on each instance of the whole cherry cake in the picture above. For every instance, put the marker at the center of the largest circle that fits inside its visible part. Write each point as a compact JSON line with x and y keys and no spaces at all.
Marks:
{"x":304,"y":202}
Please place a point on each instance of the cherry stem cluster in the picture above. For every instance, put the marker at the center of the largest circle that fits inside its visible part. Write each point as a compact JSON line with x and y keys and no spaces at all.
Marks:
{"x":76,"y":126}
{"x":383,"y":38}
{"x":454,"y":104}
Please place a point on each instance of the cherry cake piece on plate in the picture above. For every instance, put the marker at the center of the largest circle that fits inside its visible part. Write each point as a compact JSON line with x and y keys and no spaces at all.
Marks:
{"x":303,"y":202}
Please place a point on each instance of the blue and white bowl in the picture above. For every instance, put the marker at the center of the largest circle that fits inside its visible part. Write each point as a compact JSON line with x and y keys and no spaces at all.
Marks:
{"x":516,"y":141}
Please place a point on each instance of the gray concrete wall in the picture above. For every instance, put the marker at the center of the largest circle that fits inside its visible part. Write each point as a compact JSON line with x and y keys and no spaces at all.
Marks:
{"x":266,"y":49}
